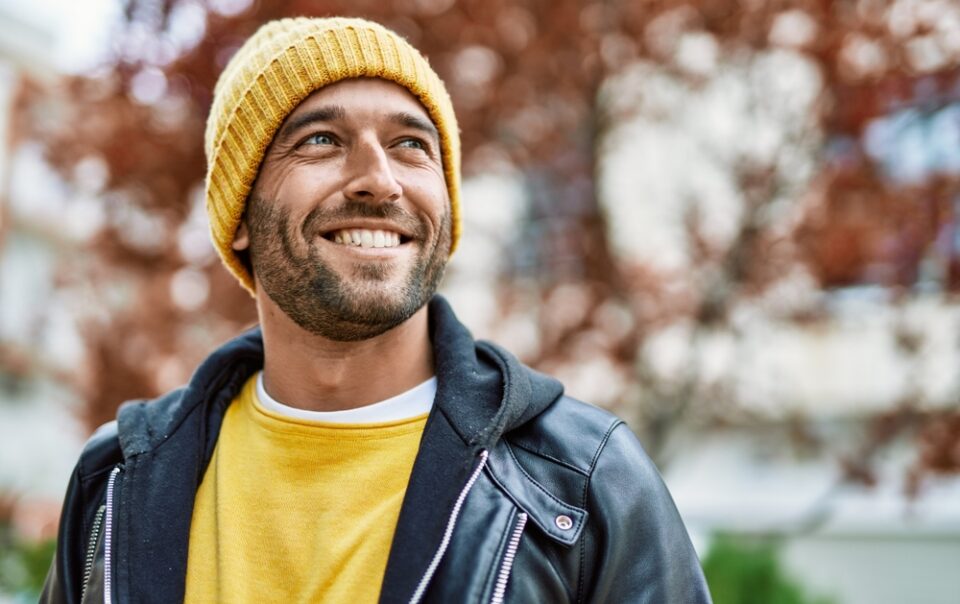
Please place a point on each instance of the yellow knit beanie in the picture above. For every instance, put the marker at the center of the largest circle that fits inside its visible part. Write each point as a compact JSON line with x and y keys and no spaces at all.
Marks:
{"x":277,"y":68}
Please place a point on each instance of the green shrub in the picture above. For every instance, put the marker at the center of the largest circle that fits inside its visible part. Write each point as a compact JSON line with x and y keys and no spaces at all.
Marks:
{"x":23,"y":566}
{"x":744,"y":571}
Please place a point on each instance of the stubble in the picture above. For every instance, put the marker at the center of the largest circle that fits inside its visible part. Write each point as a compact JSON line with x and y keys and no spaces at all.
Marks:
{"x":341,"y":307}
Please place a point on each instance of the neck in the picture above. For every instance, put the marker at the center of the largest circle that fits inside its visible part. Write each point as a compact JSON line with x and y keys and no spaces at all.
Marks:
{"x":311,"y":372}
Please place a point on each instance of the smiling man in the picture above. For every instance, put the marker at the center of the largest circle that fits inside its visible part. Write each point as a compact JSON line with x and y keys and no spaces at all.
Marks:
{"x":359,"y":445}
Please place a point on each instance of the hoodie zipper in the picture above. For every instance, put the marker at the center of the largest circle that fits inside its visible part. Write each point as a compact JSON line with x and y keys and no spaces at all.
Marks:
{"x":448,"y":533}
{"x":503,"y":577}
{"x":92,"y":549}
{"x":108,"y":538}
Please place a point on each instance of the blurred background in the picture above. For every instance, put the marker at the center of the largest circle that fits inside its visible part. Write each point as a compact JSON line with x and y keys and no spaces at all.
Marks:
{"x":734,"y":223}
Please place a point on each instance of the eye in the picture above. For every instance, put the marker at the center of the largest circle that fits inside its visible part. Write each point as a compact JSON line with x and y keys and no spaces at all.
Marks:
{"x":320,"y":138}
{"x":412,"y":143}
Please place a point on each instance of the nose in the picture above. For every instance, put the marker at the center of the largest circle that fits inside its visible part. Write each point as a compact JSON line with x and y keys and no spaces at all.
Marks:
{"x":370,"y":177}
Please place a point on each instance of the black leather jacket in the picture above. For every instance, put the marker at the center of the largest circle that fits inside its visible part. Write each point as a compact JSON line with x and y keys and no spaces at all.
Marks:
{"x":518,"y":493}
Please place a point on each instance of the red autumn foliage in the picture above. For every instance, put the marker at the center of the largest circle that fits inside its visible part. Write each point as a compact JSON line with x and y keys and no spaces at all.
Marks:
{"x":525,"y":76}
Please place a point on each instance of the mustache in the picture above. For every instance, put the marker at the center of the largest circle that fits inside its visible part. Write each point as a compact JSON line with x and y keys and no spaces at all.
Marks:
{"x":316,"y":221}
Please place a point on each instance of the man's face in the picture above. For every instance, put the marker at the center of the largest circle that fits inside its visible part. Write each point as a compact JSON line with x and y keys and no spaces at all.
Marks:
{"x":348,"y":224}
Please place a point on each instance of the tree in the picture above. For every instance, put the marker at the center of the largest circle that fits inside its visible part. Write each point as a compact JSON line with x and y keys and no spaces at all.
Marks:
{"x":534,"y":83}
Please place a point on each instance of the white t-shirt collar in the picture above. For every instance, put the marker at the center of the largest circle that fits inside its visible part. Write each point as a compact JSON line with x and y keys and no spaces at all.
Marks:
{"x":416,"y":401}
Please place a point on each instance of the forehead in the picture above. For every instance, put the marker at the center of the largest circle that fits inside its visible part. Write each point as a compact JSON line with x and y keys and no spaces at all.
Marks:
{"x":368,"y":97}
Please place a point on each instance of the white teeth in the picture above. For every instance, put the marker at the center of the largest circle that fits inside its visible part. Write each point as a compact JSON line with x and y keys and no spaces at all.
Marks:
{"x":366,"y":238}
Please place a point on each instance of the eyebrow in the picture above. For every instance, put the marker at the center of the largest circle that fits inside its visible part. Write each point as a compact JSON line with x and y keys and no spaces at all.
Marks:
{"x":418,"y":123}
{"x":330,"y":113}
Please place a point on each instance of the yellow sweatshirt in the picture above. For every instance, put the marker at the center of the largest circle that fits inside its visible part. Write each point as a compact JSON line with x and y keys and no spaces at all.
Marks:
{"x":292,"y":510}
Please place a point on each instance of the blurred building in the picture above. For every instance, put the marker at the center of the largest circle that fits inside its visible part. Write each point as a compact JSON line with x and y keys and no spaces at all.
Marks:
{"x":783,"y":462}
{"x":39,"y":433}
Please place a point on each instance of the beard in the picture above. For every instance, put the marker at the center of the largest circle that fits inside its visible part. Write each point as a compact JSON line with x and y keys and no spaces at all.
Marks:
{"x":342,"y":307}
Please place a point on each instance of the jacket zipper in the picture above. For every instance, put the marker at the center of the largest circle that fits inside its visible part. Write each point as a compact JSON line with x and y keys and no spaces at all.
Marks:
{"x":92,"y":549}
{"x":448,"y":533}
{"x":108,"y":537}
{"x":503,"y":577}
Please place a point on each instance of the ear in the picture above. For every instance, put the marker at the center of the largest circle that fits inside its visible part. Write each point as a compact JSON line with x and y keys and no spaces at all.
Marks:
{"x":241,"y":239}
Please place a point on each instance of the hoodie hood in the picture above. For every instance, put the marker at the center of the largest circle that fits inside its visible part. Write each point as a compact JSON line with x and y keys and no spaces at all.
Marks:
{"x":482,"y":389}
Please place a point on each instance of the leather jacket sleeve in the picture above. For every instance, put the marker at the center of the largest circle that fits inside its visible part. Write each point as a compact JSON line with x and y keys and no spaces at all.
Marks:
{"x":52,"y":588}
{"x":643,"y":552}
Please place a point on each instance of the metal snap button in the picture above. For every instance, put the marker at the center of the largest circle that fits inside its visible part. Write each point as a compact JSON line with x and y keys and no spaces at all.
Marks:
{"x":564,"y":522}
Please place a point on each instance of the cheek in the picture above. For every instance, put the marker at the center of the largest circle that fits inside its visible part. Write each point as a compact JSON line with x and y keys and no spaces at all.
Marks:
{"x":430,"y":194}
{"x":297,"y":182}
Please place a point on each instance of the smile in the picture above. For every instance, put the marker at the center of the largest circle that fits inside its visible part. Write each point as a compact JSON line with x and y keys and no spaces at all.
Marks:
{"x":365,"y":238}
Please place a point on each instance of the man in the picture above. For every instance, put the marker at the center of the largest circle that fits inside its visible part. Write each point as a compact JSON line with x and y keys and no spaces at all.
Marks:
{"x":358,"y":446}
